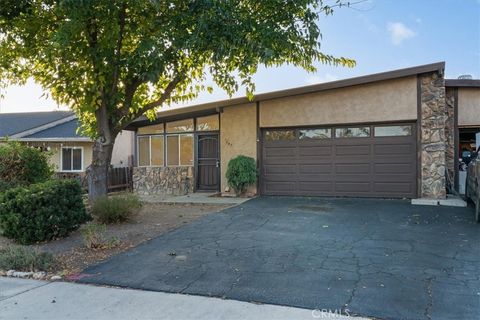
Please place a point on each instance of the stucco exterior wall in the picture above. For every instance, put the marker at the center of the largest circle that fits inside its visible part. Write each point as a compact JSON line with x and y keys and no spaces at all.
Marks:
{"x":238,"y":136}
{"x":469,"y":106}
{"x":382,"y":101}
{"x":122,"y":155}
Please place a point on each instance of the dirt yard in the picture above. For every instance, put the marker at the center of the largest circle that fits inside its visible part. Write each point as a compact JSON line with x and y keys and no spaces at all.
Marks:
{"x":152,"y":221}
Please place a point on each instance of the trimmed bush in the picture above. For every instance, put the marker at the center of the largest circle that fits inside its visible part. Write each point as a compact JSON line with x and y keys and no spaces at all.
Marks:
{"x":21,"y":258}
{"x":42,"y":211}
{"x":115,"y":209}
{"x":21,"y":165}
{"x":241,"y":173}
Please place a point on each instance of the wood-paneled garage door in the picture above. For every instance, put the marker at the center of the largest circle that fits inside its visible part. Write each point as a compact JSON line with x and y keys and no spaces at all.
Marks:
{"x":356,"y":161}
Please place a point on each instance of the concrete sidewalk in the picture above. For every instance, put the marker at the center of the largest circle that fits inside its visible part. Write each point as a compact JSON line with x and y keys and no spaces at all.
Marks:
{"x":31,"y":299}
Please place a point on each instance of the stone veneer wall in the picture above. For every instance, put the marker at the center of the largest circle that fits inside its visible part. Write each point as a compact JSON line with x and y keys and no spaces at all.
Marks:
{"x":432,"y":120}
{"x":163,"y":181}
{"x":450,"y":135}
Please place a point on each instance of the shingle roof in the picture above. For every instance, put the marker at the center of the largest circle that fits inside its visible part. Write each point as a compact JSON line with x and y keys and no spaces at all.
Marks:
{"x":64,"y":130}
{"x":13,"y":123}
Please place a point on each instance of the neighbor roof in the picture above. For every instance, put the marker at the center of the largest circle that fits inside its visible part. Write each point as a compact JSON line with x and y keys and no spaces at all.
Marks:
{"x":462,"y":83}
{"x":31,"y":126}
{"x":212,"y":106}
{"x":13,"y":123}
{"x":64,"y":130}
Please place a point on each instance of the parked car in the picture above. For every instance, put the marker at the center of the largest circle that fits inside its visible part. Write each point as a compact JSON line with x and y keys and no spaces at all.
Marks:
{"x":473,"y":185}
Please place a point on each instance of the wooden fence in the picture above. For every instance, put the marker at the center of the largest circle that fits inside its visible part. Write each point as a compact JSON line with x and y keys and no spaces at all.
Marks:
{"x":120,"y":179}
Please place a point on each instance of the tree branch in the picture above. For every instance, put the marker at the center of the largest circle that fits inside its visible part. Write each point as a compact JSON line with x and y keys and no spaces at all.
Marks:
{"x":121,"y":23}
{"x":166,"y":94}
{"x":126,"y":117}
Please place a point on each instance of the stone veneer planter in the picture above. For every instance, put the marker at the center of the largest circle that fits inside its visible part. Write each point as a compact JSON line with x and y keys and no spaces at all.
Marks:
{"x":433,"y":113}
{"x":163,"y":180}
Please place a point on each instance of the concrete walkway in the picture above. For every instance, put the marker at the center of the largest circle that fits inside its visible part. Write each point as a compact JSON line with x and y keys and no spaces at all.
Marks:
{"x":31,"y":299}
{"x":194,"y":198}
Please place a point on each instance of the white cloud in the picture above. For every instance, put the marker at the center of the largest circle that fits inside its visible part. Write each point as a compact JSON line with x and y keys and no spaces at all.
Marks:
{"x":399,"y":32}
{"x":327,"y":77}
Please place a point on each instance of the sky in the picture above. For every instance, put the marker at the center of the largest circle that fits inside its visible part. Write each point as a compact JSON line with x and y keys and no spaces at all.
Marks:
{"x":381,"y":35}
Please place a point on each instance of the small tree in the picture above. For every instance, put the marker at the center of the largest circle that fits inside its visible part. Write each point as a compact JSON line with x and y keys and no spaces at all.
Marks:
{"x":241,"y":173}
{"x":21,"y":165}
{"x":112,"y":61}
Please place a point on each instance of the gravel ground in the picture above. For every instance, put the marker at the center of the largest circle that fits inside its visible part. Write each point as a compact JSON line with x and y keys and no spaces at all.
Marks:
{"x":151,"y":221}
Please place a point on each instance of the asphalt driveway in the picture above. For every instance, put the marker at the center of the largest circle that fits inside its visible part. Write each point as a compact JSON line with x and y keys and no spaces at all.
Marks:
{"x":381,"y":258}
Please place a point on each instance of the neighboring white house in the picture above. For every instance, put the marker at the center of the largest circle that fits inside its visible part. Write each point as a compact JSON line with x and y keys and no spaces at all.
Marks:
{"x":57,"y":131}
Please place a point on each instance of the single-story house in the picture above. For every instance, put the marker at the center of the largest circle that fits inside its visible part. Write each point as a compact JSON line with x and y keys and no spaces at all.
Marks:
{"x":56,"y":131}
{"x":395,"y":134}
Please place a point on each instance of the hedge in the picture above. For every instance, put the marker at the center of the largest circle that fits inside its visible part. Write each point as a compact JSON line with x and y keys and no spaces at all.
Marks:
{"x":42,"y":211}
{"x":21,"y":165}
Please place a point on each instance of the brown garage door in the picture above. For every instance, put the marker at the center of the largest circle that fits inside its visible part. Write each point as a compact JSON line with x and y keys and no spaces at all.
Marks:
{"x":356,"y":161}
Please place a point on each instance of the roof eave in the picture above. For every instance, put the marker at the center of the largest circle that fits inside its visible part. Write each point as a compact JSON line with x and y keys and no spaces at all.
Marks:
{"x":383,"y":76}
{"x":462,"y":83}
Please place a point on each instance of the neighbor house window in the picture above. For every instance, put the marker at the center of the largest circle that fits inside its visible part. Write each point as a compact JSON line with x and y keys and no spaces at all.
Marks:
{"x":208,"y":123}
{"x":72,"y":158}
{"x":359,"y":132}
{"x":393,"y":131}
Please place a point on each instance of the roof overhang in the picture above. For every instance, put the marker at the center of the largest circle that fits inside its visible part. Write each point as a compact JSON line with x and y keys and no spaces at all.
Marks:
{"x":184,"y":112}
{"x":462,"y":83}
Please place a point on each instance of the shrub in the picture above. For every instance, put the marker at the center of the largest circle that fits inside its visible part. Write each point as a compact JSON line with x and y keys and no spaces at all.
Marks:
{"x":21,"y":258}
{"x":21,"y":165}
{"x":42,"y":211}
{"x":115,"y":209}
{"x":241,"y":173}
{"x":94,"y":237}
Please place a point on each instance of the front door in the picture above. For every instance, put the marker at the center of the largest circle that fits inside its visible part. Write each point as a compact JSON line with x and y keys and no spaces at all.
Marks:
{"x":208,"y":164}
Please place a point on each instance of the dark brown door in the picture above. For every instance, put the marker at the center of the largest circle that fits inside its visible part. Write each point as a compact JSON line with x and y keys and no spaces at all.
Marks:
{"x":376,"y":163}
{"x":208,"y":164}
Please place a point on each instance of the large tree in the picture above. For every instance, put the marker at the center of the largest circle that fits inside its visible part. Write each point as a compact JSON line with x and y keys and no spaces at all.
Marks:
{"x":112,"y":61}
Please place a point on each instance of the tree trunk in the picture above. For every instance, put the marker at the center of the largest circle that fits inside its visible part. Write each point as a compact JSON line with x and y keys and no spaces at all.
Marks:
{"x":98,"y":170}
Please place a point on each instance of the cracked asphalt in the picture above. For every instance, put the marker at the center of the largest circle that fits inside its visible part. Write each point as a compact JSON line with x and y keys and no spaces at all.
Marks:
{"x":379,"y":258}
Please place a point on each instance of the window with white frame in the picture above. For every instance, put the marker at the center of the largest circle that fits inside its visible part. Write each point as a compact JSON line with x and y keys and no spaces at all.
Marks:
{"x":72,"y":159}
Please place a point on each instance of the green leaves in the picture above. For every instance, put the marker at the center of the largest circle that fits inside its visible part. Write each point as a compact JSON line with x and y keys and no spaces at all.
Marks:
{"x":125,"y":55}
{"x":241,"y":173}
